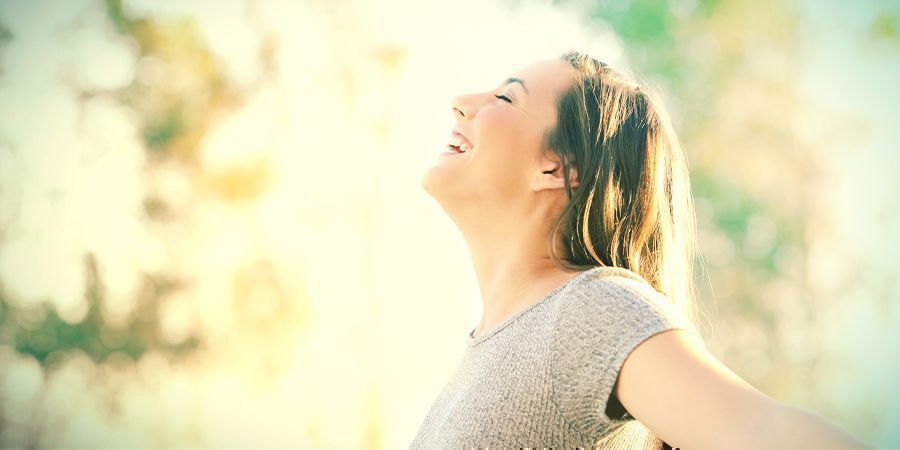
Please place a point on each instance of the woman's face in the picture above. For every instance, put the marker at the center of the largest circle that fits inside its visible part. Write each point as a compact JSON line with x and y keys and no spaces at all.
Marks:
{"x":505,"y":128}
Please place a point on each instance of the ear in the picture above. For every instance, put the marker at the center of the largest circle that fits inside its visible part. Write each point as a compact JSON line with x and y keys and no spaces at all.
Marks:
{"x":549,"y":175}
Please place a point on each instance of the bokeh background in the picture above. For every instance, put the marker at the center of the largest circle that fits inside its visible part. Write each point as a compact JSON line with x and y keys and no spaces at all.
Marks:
{"x":212,"y":232}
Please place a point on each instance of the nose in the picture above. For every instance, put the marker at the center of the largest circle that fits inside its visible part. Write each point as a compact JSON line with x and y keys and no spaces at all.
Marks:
{"x":465,"y":106}
{"x":458,"y":109}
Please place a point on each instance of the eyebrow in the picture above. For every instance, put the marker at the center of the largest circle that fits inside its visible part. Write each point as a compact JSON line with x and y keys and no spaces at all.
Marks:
{"x":516,"y":80}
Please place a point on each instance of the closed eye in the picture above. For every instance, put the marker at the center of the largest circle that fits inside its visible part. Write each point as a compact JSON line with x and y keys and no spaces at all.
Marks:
{"x":504,"y":98}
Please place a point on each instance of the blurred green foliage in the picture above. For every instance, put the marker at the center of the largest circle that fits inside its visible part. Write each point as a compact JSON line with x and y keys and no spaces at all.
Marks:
{"x":38,"y":330}
{"x":172,"y":125}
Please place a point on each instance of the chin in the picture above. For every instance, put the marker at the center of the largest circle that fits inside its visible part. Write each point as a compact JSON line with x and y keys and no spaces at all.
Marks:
{"x":435,"y":180}
{"x":441,"y":186}
{"x":426,"y":182}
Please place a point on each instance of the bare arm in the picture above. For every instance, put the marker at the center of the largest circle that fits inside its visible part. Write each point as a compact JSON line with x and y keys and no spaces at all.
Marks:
{"x":790,"y":427}
{"x":689,"y":399}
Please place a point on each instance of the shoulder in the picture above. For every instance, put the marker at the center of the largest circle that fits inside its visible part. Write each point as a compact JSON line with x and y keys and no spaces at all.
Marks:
{"x":598,"y":322}
{"x":612,"y":298}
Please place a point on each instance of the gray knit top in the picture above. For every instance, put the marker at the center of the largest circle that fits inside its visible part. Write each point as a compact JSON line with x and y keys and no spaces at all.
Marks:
{"x":544,"y":376}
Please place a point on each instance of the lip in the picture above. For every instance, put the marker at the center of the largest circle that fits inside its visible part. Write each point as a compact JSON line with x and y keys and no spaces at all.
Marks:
{"x":458,"y":133}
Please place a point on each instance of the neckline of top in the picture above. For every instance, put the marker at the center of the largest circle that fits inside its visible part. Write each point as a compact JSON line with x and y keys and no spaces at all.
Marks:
{"x":472,"y":341}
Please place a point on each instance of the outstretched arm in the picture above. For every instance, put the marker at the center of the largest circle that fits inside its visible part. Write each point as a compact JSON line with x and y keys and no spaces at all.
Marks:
{"x":691,"y":400}
{"x":792,"y":427}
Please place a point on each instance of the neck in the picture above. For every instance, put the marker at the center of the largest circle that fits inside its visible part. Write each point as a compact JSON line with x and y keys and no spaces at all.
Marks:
{"x":511,"y":259}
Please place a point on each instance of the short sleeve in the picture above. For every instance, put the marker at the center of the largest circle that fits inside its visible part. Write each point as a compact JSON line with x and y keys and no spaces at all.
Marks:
{"x":596,"y":328}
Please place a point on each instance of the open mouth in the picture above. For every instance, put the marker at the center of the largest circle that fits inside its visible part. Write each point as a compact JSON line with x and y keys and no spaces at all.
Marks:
{"x":458,"y":143}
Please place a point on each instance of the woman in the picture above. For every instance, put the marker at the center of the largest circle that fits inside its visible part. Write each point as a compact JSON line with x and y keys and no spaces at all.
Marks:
{"x":572,"y":193}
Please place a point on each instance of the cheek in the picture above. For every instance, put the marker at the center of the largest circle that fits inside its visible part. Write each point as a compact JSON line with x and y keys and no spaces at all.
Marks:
{"x":504,"y":149}
{"x":499,"y":132}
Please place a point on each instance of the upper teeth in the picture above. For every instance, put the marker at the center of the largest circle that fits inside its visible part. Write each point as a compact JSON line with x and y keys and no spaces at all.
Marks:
{"x":459,"y":141}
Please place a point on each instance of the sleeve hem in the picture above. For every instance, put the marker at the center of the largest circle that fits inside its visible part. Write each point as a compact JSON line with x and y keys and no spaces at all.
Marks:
{"x":610,"y":377}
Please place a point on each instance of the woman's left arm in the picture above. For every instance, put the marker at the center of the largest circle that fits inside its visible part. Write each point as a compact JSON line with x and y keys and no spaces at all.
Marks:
{"x":691,"y":400}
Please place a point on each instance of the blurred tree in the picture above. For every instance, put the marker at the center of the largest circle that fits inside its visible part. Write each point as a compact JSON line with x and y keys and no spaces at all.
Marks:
{"x":40,"y":332}
{"x":178,"y":90}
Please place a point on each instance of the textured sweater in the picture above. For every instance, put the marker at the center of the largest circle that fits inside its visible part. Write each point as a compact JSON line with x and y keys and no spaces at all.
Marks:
{"x":543,"y":378}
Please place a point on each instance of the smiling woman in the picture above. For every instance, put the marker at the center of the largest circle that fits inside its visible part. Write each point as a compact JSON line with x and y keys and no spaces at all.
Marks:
{"x":573,"y":195}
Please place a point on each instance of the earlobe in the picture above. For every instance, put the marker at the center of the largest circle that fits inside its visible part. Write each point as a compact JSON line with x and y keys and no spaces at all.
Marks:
{"x":573,"y":178}
{"x":573,"y":175}
{"x":551,"y":177}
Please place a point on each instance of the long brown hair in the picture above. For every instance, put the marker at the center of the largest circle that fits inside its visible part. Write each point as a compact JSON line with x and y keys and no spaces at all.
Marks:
{"x":632,"y":207}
